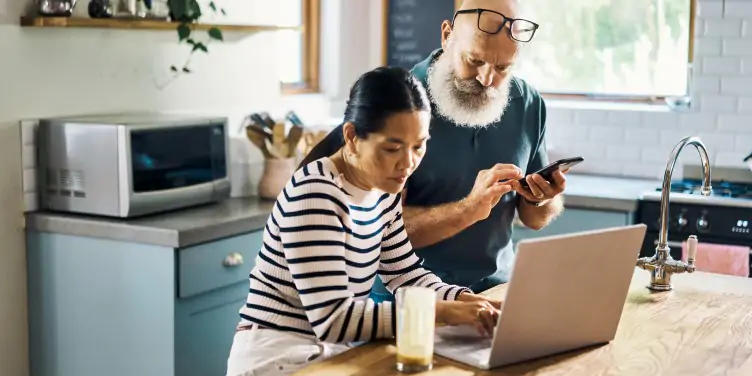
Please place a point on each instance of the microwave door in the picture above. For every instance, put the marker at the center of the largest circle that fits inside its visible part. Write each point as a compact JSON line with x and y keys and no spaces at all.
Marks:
{"x":175,"y":167}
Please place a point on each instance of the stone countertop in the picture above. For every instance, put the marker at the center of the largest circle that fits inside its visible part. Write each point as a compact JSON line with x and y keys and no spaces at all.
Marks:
{"x":186,"y":227}
{"x":180,"y":228}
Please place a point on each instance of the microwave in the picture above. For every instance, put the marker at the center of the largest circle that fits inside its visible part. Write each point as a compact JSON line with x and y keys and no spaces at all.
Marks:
{"x":127,"y":165}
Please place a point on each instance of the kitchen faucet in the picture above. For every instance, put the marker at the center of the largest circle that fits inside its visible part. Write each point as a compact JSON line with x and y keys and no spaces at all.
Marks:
{"x":661,"y":265}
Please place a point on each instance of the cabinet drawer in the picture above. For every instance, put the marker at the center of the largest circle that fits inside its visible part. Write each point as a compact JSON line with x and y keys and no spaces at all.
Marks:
{"x":217,"y":264}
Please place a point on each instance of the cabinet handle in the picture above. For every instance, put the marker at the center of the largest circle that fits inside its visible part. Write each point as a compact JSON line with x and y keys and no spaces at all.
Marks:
{"x":233,"y":259}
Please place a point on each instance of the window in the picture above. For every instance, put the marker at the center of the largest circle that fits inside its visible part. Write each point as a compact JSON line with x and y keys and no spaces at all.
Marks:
{"x":630,"y":49}
{"x":296,"y":25}
{"x":298,"y":48}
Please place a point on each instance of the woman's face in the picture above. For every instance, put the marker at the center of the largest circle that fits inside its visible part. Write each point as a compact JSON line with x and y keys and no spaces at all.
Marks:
{"x":387,"y":158}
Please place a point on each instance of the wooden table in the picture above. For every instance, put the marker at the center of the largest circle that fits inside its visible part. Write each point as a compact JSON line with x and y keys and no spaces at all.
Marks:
{"x":702,"y":327}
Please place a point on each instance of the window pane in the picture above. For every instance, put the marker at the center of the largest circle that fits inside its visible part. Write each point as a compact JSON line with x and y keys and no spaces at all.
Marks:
{"x":290,"y":56}
{"x":611,"y":47}
{"x":255,"y":12}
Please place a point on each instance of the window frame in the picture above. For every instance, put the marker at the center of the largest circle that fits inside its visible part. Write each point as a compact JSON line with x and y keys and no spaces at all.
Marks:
{"x":311,"y":30}
{"x":658,"y":99}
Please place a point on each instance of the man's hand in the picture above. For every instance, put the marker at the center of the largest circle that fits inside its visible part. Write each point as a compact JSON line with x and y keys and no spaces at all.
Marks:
{"x":488,"y":189}
{"x":539,"y":189}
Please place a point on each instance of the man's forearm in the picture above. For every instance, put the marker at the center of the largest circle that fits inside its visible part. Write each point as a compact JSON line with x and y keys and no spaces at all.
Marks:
{"x":538,"y":217}
{"x":429,"y":225}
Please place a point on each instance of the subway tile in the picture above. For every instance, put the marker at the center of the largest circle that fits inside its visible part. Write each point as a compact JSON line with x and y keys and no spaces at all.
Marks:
{"x":737,"y":9}
{"x":735,"y":123}
{"x":723,"y":28}
{"x":718,"y":103}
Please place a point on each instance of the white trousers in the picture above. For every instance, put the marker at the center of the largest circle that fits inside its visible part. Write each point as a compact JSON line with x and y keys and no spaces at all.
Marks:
{"x":260,"y":352}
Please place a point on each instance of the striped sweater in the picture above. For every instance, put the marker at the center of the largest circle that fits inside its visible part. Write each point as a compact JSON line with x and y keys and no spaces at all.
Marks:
{"x":324,"y":244}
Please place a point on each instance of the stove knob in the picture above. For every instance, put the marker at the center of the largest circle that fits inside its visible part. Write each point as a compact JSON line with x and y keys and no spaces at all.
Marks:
{"x":681,"y":221}
{"x":702,"y":224}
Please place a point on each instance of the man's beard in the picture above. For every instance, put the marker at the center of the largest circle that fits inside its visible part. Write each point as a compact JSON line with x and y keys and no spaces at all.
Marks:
{"x":465,"y":102}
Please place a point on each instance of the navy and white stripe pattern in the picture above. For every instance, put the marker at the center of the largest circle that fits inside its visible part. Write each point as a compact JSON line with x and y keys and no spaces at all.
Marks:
{"x":324,"y":244}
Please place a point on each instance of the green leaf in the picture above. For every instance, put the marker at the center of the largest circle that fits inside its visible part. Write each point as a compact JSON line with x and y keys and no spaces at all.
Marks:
{"x":212,"y":6}
{"x":174,"y":68}
{"x":186,"y":70}
{"x":191,"y":41}
{"x":179,"y":8}
{"x":195,"y":10}
{"x":215,"y":33}
{"x":200,"y":46}
{"x":223,"y":11}
{"x":183,"y":31}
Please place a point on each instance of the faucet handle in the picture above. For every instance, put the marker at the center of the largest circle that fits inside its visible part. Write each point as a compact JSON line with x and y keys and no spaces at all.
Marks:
{"x":691,"y":249}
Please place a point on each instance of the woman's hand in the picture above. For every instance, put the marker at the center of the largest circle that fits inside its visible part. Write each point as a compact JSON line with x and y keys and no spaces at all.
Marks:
{"x":480,"y":314}
{"x":469,"y":297}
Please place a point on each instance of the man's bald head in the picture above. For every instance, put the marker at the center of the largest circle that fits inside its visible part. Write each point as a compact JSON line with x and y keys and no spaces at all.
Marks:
{"x":470,"y":80}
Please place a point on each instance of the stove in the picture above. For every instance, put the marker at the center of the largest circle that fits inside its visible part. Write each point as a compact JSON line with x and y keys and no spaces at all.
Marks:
{"x":724,"y":217}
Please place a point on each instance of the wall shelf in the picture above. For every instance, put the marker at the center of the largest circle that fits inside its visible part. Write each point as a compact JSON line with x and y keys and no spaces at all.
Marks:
{"x":137,"y":24}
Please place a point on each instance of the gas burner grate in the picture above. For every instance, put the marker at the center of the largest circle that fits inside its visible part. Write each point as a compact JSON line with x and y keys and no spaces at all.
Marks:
{"x":720,"y":188}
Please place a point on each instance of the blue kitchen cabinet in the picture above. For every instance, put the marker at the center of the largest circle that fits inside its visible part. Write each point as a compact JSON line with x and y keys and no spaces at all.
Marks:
{"x":575,"y":220}
{"x":105,"y":307}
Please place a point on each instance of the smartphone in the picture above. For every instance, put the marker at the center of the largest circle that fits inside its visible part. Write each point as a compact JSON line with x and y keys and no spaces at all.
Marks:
{"x":559,"y":165}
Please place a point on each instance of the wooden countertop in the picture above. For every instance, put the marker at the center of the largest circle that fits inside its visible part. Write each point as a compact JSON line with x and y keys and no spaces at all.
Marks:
{"x":702,"y":327}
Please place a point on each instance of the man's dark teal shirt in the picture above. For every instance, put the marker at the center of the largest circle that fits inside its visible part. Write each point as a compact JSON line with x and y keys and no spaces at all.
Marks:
{"x":481,"y":256}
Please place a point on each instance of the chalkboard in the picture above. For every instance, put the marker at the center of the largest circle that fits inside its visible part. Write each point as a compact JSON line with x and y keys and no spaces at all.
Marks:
{"x":413,"y":29}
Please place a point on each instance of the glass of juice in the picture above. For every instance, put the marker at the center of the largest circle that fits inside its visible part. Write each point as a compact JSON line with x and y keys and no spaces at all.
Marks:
{"x":416,"y":316}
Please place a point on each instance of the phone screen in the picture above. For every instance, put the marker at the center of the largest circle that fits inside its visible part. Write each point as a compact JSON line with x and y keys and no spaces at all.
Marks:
{"x":547,"y":172}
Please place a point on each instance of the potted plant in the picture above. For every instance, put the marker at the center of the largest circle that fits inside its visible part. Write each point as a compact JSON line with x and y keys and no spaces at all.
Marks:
{"x":186,"y":13}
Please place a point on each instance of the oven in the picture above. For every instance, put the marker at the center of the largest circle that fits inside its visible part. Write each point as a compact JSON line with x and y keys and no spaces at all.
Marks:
{"x":721,"y":219}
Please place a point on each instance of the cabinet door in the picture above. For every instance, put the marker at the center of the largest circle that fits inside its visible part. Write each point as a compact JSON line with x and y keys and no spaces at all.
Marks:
{"x":574,"y":220}
{"x":204,"y":329}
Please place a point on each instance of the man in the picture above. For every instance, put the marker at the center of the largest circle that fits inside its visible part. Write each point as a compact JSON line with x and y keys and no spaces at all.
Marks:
{"x":487,"y":126}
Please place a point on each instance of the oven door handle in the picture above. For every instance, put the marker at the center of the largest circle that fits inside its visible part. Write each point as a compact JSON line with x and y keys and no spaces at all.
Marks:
{"x":673,"y":244}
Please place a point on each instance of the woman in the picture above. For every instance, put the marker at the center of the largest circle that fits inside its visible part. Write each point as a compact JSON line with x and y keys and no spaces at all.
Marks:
{"x":335,"y":228}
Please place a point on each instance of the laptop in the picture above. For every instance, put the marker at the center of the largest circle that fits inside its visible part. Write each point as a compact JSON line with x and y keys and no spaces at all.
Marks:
{"x":566,"y":292}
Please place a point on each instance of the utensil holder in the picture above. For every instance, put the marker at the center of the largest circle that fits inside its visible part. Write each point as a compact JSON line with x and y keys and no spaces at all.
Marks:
{"x":277,"y":172}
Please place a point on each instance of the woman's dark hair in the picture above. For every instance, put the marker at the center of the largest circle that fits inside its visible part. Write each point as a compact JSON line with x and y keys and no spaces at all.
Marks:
{"x":374,"y":96}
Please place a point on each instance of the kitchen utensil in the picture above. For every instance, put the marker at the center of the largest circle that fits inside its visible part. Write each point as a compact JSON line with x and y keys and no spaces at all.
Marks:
{"x":748,"y":159}
{"x":278,"y":133}
{"x":272,"y":149}
{"x":258,"y":138}
{"x":268,"y":121}
{"x":293,"y":118}
{"x":293,"y":139}
{"x":260,"y":121}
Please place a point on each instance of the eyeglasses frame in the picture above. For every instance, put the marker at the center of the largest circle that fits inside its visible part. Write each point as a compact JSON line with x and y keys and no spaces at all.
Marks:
{"x":507,"y":20}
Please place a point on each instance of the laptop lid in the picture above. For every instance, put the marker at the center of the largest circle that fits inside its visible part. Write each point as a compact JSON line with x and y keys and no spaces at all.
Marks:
{"x":566,"y":292}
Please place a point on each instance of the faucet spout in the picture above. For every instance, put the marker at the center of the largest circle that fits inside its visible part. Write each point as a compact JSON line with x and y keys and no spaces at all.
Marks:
{"x":665,"y":192}
{"x":662,"y":265}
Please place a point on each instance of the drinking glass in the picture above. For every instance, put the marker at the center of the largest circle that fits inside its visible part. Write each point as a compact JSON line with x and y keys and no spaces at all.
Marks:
{"x":416,"y":315}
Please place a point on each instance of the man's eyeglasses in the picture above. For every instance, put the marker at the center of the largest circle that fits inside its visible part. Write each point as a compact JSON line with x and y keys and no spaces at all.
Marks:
{"x":492,"y":22}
